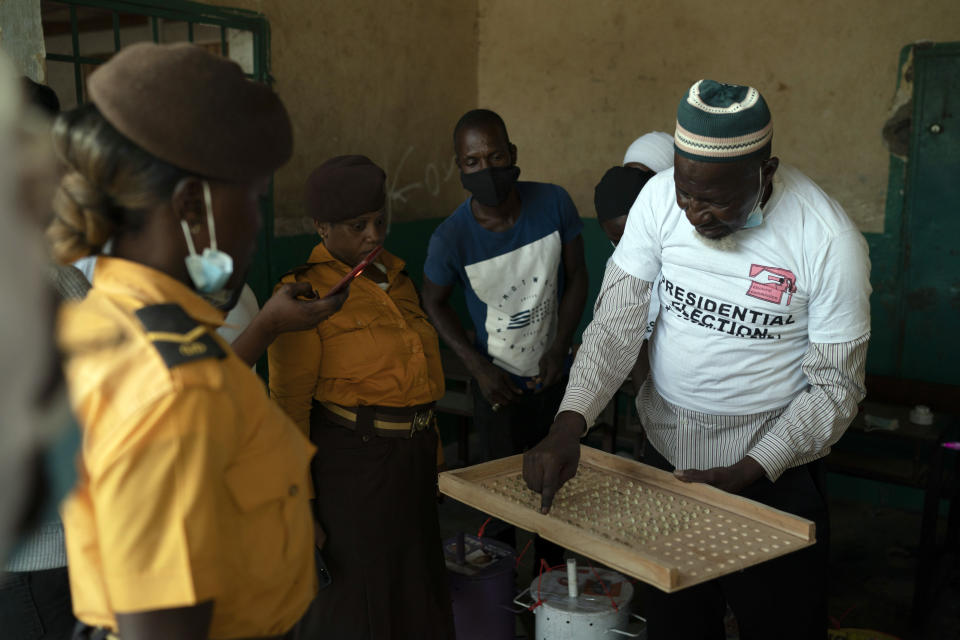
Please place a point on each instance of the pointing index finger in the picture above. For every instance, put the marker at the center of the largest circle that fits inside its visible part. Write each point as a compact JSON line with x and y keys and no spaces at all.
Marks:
{"x":551,"y":483}
{"x":533,"y":472}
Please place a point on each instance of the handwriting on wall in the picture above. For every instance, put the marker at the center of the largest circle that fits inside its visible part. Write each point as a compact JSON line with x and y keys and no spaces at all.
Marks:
{"x":435,"y":175}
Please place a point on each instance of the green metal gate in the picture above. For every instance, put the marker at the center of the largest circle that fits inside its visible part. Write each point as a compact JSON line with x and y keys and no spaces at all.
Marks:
{"x":77,"y":15}
{"x":916,"y":261}
{"x":931,"y":243}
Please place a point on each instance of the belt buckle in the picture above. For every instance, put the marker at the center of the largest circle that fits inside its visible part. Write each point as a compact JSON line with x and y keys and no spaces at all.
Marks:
{"x":421,"y":421}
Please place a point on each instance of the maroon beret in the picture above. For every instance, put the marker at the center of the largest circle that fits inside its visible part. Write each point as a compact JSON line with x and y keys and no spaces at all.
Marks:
{"x":345,"y":187}
{"x":193,"y":109}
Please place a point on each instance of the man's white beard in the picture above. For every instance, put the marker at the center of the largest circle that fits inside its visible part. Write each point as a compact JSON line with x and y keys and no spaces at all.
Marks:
{"x":726,"y":243}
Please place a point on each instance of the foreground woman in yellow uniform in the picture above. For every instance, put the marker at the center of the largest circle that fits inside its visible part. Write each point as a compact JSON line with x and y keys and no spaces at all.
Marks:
{"x":363,"y":385}
{"x":190,"y":518}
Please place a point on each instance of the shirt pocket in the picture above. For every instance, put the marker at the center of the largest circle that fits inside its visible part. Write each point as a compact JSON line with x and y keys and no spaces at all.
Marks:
{"x":269,"y":489}
{"x":353,"y":343}
{"x":410,"y":307}
{"x":415,"y":316}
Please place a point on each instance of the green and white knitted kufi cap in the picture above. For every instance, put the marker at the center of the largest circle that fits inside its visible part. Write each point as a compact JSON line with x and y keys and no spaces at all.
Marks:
{"x":719,"y":122}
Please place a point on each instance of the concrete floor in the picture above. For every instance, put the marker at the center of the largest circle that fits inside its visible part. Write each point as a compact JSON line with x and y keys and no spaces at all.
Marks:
{"x":873,"y":561}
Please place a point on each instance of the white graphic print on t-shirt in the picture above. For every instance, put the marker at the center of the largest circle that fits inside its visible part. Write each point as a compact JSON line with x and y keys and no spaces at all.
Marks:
{"x":520,"y":291}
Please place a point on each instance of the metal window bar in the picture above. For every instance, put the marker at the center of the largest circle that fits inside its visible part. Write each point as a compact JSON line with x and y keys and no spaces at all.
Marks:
{"x":75,"y":39}
{"x":59,"y":57}
{"x":177,"y":10}
{"x":181,"y":10}
{"x":116,"y":31}
{"x":191,"y":13}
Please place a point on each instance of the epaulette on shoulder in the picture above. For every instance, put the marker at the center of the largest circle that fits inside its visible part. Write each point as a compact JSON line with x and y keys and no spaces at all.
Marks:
{"x":177,"y":336}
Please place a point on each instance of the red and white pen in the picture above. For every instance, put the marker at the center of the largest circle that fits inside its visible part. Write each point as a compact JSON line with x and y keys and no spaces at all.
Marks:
{"x":951,"y":445}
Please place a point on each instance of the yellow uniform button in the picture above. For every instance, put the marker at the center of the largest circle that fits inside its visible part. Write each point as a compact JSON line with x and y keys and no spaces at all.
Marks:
{"x":293,"y":491}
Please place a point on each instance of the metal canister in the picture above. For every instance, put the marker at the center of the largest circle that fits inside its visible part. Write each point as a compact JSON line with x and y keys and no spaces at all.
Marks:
{"x":481,"y":574}
{"x":581,"y":603}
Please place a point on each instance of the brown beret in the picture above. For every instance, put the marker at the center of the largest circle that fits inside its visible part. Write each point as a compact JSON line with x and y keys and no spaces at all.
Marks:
{"x":193,"y":109}
{"x":345,"y":187}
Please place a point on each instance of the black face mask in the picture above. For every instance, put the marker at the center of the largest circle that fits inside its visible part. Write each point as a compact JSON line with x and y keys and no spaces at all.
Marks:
{"x":491,"y":186}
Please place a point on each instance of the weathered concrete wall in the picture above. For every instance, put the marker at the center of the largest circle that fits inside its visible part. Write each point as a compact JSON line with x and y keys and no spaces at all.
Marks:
{"x":385,"y":78}
{"x":577,"y":81}
{"x":21,"y":36}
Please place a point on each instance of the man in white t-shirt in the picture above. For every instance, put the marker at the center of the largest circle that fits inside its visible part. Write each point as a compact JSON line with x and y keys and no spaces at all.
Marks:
{"x":757,"y":357}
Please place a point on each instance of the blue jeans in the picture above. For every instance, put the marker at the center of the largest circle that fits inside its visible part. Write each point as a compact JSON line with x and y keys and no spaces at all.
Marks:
{"x":36,"y":605}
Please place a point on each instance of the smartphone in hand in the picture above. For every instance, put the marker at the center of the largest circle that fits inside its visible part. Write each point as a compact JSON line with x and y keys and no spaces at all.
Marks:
{"x":356,"y":271}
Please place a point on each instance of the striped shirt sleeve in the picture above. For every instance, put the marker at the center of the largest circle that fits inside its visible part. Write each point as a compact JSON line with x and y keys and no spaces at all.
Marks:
{"x":816,"y":418}
{"x":611,"y":343}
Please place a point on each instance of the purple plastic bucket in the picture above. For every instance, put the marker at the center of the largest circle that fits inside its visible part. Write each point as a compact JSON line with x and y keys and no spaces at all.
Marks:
{"x":482,"y":578}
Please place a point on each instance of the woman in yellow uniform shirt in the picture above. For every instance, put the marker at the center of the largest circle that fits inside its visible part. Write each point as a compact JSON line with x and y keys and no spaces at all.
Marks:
{"x":363,"y":385}
{"x":190,"y":518}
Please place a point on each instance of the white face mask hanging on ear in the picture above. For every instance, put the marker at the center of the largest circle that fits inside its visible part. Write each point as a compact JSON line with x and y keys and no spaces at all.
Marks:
{"x":211,"y":270}
{"x":756,"y":215}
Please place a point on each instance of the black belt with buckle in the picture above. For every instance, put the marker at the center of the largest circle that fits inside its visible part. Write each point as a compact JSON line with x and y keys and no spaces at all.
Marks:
{"x":84,"y":631}
{"x":389,"y":422}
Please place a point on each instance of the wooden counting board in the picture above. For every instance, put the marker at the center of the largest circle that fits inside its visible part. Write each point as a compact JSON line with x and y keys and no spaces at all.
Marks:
{"x":637,"y":519}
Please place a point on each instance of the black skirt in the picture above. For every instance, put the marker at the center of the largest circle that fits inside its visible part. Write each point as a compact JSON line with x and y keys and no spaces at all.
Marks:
{"x":376,"y":500}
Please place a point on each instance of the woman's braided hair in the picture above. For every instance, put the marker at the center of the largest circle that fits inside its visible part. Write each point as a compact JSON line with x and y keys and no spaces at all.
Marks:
{"x":110,"y":184}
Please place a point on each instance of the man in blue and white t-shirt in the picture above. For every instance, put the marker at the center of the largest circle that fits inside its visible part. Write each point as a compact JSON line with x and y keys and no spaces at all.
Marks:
{"x":516,"y":249}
